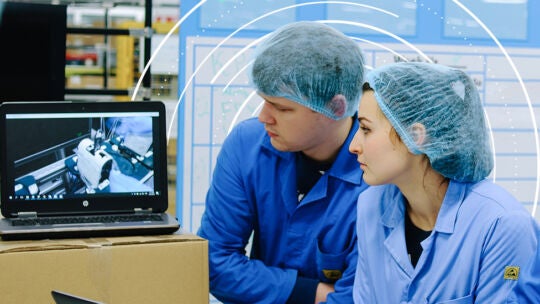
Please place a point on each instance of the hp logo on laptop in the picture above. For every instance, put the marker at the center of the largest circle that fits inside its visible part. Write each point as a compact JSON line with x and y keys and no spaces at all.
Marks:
{"x":85,"y":203}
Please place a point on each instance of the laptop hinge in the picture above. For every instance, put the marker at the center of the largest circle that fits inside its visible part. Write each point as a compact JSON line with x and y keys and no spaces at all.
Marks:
{"x":31,"y":214}
{"x":142,"y":211}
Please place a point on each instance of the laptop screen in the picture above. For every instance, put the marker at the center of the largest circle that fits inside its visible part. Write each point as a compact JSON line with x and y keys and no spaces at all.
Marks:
{"x":83,"y":157}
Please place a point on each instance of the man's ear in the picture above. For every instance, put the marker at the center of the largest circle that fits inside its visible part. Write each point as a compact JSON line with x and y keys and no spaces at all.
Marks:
{"x":418,"y":133}
{"x":338,"y":104}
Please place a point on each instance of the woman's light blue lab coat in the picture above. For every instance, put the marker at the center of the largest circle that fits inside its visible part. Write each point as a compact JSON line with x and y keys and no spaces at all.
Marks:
{"x":482,"y":238}
{"x":254,"y":189}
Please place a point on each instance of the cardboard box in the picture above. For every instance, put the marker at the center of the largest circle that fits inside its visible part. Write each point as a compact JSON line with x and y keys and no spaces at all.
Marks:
{"x":142,"y":269}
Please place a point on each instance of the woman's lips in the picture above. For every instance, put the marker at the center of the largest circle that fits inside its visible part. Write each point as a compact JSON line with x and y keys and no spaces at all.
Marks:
{"x":271,"y":134}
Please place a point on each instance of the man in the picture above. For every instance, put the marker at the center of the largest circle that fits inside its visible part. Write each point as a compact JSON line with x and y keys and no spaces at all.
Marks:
{"x":288,"y":178}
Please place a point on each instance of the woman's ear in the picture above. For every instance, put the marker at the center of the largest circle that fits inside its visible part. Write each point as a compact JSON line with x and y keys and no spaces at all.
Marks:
{"x":418,"y":133}
{"x":338,"y":104}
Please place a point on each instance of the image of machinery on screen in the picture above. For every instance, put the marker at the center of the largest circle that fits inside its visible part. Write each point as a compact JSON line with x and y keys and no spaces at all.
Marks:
{"x":90,"y":155}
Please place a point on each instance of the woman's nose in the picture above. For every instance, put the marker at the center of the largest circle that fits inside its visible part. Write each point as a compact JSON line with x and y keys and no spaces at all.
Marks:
{"x":355,"y":146}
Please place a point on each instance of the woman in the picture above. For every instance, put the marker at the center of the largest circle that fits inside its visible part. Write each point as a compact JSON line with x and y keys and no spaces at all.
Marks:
{"x":432,"y":229}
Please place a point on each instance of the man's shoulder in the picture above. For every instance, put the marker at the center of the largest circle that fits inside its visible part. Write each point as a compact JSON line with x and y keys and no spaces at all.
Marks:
{"x":246,"y":133}
{"x":247,"y":127}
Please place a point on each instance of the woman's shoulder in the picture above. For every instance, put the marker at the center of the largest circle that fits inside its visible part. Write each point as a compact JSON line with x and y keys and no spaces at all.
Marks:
{"x":491,"y":192}
{"x":380,"y":191}
{"x":378,"y":198}
{"x":493,"y":199}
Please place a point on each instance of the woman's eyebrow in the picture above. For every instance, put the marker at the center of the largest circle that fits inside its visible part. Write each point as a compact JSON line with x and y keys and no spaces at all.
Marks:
{"x":362,"y":118}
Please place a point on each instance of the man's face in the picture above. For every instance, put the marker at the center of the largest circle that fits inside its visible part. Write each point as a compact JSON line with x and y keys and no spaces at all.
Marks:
{"x":291,"y":126}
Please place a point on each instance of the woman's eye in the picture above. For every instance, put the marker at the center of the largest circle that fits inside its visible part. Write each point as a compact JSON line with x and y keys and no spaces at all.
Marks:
{"x":364,"y":129}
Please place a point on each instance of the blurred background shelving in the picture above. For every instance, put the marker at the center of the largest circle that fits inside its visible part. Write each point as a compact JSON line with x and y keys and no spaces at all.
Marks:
{"x":107,"y":47}
{"x":116,"y":61}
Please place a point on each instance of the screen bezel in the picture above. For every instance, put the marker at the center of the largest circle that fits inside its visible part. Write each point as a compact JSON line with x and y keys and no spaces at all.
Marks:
{"x":90,"y":204}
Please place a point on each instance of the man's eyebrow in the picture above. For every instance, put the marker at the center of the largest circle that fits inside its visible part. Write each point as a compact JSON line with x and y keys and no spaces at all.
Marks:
{"x":275,"y":104}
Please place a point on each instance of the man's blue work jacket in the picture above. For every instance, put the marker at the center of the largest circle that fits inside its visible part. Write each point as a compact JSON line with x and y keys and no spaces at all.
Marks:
{"x":254,"y":191}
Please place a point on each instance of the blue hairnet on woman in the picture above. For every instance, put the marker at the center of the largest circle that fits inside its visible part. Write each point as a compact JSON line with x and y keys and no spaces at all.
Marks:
{"x":432,"y":228}
{"x":447,"y":103}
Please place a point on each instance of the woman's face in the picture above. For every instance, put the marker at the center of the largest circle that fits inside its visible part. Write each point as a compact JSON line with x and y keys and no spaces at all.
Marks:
{"x":382,"y":156}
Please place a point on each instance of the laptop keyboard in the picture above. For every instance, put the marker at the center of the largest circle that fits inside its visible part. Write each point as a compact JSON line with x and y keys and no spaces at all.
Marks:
{"x":86,"y":219}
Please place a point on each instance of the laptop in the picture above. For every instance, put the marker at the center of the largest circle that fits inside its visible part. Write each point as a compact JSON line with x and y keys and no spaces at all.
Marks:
{"x":60,"y":297}
{"x":83,"y":169}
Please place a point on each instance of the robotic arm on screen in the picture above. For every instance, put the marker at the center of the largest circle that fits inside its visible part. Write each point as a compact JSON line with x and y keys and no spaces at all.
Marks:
{"x":116,"y":160}
{"x":94,"y":165}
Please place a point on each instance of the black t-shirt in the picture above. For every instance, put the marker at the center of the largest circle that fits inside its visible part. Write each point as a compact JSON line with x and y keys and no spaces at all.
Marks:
{"x":308,"y":172}
{"x":413,"y":237}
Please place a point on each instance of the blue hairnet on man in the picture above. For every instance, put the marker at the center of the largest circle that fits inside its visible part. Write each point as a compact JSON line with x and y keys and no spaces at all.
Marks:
{"x":286,"y":179}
